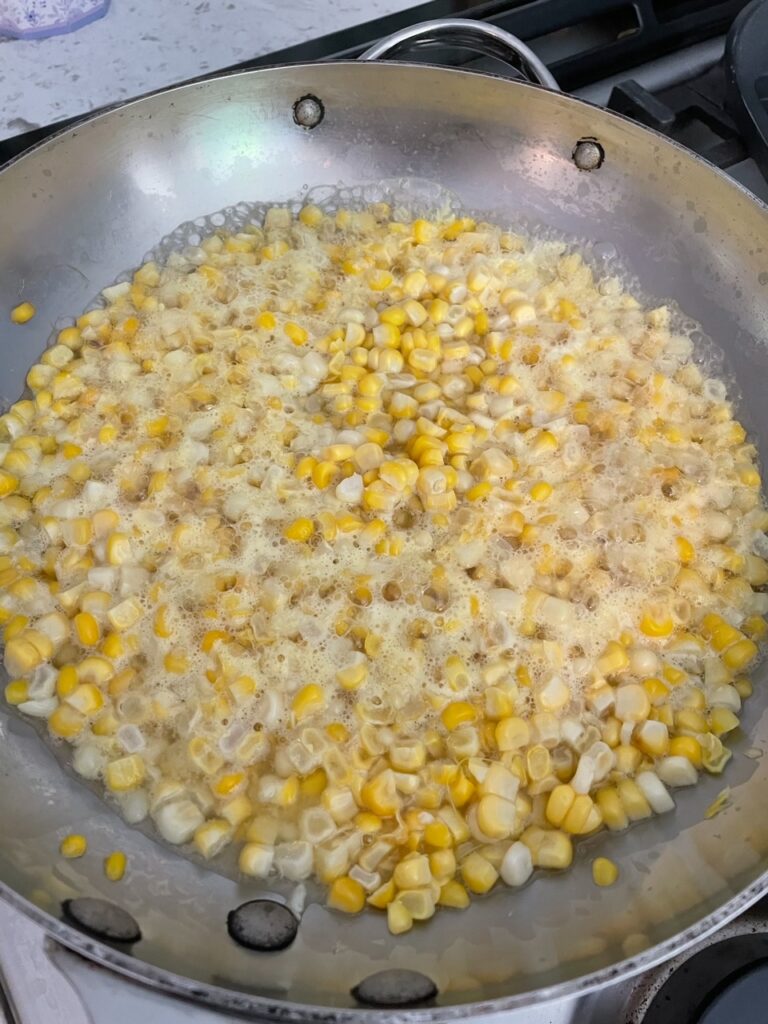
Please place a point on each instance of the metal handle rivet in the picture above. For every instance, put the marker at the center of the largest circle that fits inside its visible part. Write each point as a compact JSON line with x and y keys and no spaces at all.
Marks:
{"x":102,"y":919}
{"x":308,"y":112}
{"x":395,"y":988}
{"x":263,"y":925}
{"x":588,"y":154}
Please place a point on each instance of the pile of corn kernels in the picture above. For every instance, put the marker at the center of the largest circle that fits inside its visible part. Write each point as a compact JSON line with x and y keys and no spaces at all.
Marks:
{"x":398,"y":554}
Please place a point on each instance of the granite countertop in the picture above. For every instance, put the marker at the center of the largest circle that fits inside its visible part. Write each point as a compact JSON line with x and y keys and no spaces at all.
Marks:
{"x":141,"y":45}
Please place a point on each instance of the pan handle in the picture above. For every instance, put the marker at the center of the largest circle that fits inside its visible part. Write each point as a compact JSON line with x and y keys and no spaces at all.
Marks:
{"x":474,"y":35}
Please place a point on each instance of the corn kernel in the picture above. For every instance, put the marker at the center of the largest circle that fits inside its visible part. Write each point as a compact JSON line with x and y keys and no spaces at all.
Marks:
{"x":478,"y":874}
{"x":299,"y":530}
{"x":541,"y":491}
{"x":114,"y":865}
{"x":87,"y":629}
{"x":346,"y":895}
{"x":73,"y":846}
{"x":308,"y":701}
{"x":604,"y":872}
{"x":688,"y":747}
{"x":22,"y":313}
{"x":456,"y":714}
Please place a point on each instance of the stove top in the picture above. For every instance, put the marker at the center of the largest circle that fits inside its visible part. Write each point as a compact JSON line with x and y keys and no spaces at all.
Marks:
{"x":697,"y":71}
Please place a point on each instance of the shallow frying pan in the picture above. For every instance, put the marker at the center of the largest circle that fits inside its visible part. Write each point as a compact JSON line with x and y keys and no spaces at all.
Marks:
{"x":86,"y":206}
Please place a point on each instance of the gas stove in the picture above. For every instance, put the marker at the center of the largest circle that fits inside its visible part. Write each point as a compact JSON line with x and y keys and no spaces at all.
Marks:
{"x":697,"y":71}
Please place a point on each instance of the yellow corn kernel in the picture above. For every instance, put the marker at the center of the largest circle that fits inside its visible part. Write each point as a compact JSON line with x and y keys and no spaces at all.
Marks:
{"x":94,"y":669}
{"x":656,"y":625}
{"x":755,"y":626}
{"x":73,"y":846}
{"x":479,"y":491}
{"x":740,"y":654}
{"x":656,"y":690}
{"x":299,"y":530}
{"x":686,"y":746}
{"x":70,"y":450}
{"x":314,"y":783}
{"x":722,"y":721}
{"x":633,"y":800}
{"x":604,"y":871}
{"x":308,"y":701}
{"x":559,"y":803}
{"x":612,"y":809}
{"x":125,"y":773}
{"x":438,"y":834}
{"x":461,"y":790}
{"x":86,"y":698}
{"x":17,"y":691}
{"x":399,"y":918}
{"x":743,"y":686}
{"x":161,"y":625}
{"x":304,"y":467}
{"x":266,"y":321}
{"x":380,"y":795}
{"x":176,"y":662}
{"x":582,"y":817}
{"x":104,"y":521}
{"x":652,"y":738}
{"x":454,"y":895}
{"x":22,"y":655}
{"x":70,"y":336}
{"x":750,"y":477}
{"x":478,"y":874}
{"x":383,"y":896}
{"x":690,"y":720}
{"x":118,"y":549}
{"x":297,"y":334}
{"x":685,"y":550}
{"x":412,"y":872}
{"x":541,"y":491}
{"x":310,"y":216}
{"x":346,"y":895}
{"x":8,"y":483}
{"x":14,"y":627}
{"x":66,"y":722}
{"x":158,"y":426}
{"x":337,"y":731}
{"x":227,"y":784}
{"x":121,"y":682}
{"x":211,"y":638}
{"x":324,"y":473}
{"x":352,"y":677}
{"x":723,"y":636}
{"x":87,"y":629}
{"x":673,"y":675}
{"x":456,"y":714}
{"x":22,"y":313}
{"x":114,"y":865}
{"x":368,"y":823}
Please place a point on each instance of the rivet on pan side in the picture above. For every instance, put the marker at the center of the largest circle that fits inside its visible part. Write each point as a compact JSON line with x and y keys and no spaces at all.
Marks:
{"x":395,"y":988}
{"x":102,"y":919}
{"x":308,"y":111}
{"x":263,"y":925}
{"x":588,"y":154}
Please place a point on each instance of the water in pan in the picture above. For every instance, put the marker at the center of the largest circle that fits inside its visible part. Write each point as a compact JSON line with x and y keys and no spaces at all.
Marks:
{"x":237,"y":217}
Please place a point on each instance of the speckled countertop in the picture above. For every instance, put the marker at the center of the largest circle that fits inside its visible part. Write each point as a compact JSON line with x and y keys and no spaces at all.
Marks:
{"x":142,"y":45}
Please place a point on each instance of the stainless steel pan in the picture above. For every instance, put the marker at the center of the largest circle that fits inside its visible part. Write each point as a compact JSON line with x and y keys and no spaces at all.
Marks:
{"x":88,"y":204}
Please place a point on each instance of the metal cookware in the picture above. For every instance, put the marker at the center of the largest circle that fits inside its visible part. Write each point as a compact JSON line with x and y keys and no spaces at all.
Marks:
{"x":87,"y":205}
